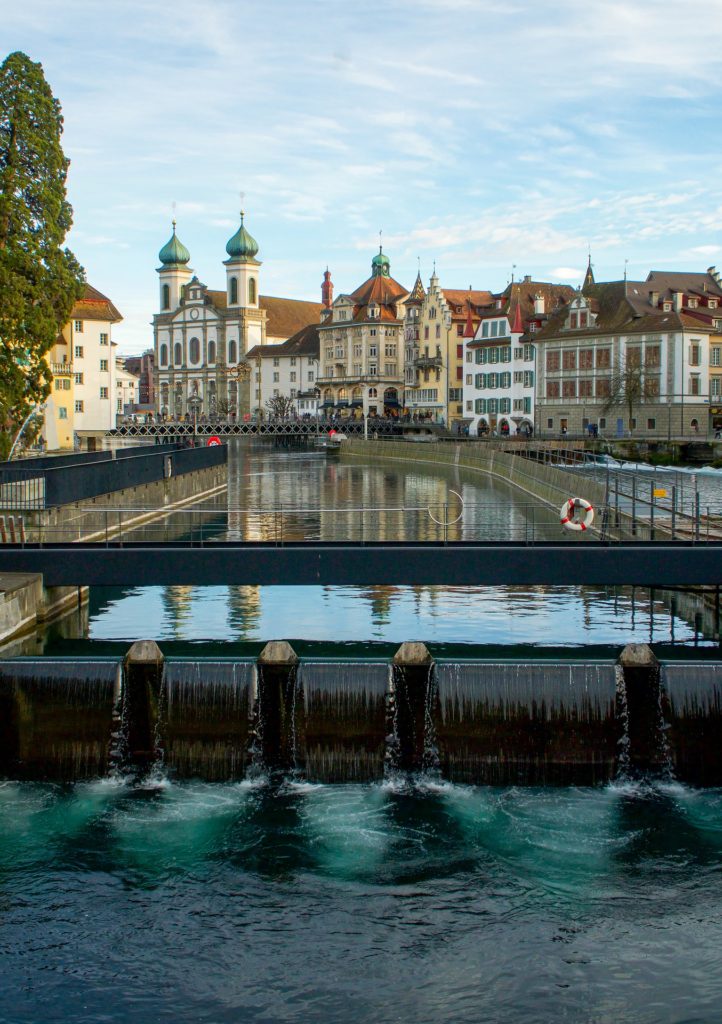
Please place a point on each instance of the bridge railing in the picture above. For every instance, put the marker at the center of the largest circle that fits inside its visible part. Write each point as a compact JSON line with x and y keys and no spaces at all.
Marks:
{"x":522,"y":523}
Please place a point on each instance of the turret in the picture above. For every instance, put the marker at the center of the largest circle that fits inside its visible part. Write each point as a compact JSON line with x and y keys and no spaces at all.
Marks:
{"x":174,"y":272}
{"x":327,"y":289}
{"x":242,"y":269}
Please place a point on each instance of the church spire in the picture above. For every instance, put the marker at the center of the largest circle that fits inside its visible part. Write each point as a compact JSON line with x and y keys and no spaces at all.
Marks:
{"x":589,"y":276}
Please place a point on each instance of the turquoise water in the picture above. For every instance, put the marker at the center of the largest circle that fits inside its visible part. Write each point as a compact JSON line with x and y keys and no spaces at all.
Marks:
{"x":389,"y":903}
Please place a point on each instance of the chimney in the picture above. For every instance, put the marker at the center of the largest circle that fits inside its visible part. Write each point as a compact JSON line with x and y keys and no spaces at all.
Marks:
{"x":678,"y":300}
{"x":327,"y":289}
{"x":527,"y":279}
{"x":654,"y":299}
{"x":539,"y":304}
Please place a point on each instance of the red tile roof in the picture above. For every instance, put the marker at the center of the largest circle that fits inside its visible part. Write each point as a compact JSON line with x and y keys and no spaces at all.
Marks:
{"x":94,"y":306}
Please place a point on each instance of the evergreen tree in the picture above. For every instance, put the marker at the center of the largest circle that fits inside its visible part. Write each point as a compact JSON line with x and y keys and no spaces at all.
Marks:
{"x":39,"y":281}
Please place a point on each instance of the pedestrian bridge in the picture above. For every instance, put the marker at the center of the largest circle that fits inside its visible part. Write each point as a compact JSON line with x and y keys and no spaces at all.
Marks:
{"x":663,"y":563}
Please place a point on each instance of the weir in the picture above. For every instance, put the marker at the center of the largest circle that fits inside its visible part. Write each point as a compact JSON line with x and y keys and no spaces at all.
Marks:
{"x":479,"y":722}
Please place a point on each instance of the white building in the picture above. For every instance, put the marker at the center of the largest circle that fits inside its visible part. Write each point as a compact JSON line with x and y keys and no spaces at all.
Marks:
{"x":289,"y":370}
{"x":500,"y":360}
{"x":202,"y":337}
{"x":127,"y":389}
{"x":91,"y":347}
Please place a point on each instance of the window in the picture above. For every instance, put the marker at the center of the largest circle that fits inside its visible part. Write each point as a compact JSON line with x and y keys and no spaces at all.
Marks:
{"x":528,"y":378}
{"x":694,"y":354}
{"x":470,"y":356}
{"x":277,"y":360}
{"x":292,"y":376}
{"x":493,"y":329}
{"x":103,"y":392}
{"x":604,"y":359}
{"x":390,"y":369}
{"x":78,"y":351}
{"x":459,"y":372}
{"x":651,"y":424}
{"x":460,"y":330}
{"x":62,"y":413}
{"x":251,"y":291}
{"x":233,"y":291}
{"x":438,"y":330}
{"x":390,"y":350}
{"x":469,"y":406}
{"x":372,"y":369}
{"x":552,"y":361}
{"x":103,"y":339}
{"x":569,"y":389}
{"x":715,"y":356}
{"x":78,"y":325}
{"x":372,"y":332}
{"x":292,"y":361}
{"x":78,"y":406}
{"x":694,"y":384}
{"x":586,"y":359}
{"x":78,"y":378}
{"x":373,"y":351}
{"x":505,"y":405}
{"x":276,"y":377}
{"x":194,"y":350}
{"x":163,"y":355}
{"x":426,"y":333}
{"x":586,"y":388}
{"x":634,"y":356}
{"x":58,"y":384}
{"x":528,"y":353}
{"x":165,"y":297}
{"x":569,"y":360}
{"x":178,"y":354}
{"x":469,"y":378}
{"x":479,"y":381}
{"x":552,"y":389}
{"x":550,"y":423}
{"x":119,"y":405}
{"x":652,"y":355}
{"x":518,"y":377}
{"x":715,"y":389}
{"x":309,"y":376}
{"x":603,"y":387}
{"x":232,"y":351}
{"x":211,"y":351}
{"x":485,"y":330}
{"x":66,"y":384}
{"x":103,"y":365}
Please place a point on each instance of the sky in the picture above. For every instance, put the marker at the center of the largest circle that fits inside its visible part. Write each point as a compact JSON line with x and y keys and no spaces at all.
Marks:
{"x":492,"y":137}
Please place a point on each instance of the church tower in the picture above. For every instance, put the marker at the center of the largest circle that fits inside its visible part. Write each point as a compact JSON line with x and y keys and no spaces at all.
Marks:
{"x":327,"y":290}
{"x":242,"y":270}
{"x":174,"y":272}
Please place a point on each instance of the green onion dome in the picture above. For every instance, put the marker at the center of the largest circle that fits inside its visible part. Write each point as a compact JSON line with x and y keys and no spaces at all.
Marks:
{"x":173,"y":251}
{"x":242,"y":245}
{"x":380,"y":264}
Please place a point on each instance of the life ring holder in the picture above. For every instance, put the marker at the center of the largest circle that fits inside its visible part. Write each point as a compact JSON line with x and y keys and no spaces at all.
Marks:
{"x":450,"y":522}
{"x":576,"y":514}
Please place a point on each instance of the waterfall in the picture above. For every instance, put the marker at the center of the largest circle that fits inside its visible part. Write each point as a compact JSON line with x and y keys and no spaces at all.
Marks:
{"x":527,"y":723}
{"x":692,"y":702}
{"x":57,"y":718}
{"x":203,"y":722}
{"x":344,"y":721}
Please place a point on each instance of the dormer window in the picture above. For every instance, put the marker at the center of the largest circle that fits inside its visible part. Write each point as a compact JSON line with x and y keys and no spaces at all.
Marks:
{"x":692,"y":303}
{"x":713,"y":303}
{"x":667,"y":307}
{"x":373,"y":312}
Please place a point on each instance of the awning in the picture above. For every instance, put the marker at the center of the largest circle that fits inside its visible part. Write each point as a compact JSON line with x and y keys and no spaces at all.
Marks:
{"x":391,"y":401}
{"x":326,"y":405}
{"x":342,"y":402}
{"x":357,"y":401}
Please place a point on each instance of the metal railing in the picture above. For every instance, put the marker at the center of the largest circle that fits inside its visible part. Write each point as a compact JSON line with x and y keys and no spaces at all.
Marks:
{"x":523,"y":523}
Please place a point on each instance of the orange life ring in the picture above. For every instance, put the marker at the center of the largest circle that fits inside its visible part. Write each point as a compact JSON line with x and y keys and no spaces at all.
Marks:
{"x":576,"y":514}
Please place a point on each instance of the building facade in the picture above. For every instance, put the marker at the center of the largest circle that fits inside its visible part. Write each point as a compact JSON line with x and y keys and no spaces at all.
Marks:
{"x":361,"y":347}
{"x":434,"y":368}
{"x":500,"y":360}
{"x":82,"y":362}
{"x":629,"y":357}
{"x":202,"y":337}
{"x":288,"y":370}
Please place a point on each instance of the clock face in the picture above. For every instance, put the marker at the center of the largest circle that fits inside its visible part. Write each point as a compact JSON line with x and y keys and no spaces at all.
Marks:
{"x":195,"y":314}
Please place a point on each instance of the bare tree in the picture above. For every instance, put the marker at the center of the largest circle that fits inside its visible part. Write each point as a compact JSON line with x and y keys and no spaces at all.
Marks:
{"x":280,"y":407}
{"x":629,"y":387}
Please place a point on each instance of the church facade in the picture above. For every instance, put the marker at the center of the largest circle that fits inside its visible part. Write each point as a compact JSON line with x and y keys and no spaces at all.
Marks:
{"x":202,"y":336}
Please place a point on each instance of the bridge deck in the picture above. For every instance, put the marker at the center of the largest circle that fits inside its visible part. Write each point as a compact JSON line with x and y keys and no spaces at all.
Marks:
{"x":459,"y":563}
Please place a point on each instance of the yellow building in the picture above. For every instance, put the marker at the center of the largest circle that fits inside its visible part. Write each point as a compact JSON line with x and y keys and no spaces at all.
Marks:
{"x":59,"y":425}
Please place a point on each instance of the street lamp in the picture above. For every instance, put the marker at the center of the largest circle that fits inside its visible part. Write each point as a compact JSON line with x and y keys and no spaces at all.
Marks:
{"x":195,"y":402}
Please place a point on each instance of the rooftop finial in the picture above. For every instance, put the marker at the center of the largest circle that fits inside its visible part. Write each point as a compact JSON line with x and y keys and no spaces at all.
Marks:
{"x":243,"y":199}
{"x":173,"y":204}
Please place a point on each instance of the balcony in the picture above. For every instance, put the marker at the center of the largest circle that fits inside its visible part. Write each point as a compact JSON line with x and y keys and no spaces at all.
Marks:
{"x":61,"y":369}
{"x":428,"y":362}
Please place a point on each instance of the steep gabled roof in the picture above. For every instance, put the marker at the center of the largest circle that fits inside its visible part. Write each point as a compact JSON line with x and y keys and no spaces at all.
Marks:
{"x":93,"y":305}
{"x":287,"y":316}
{"x":383,"y":290}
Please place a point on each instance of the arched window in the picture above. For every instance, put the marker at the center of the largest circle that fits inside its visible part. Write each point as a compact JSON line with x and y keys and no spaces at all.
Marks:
{"x":164,"y":355}
{"x":166,"y":296}
{"x":178,"y":354}
{"x":194,"y":350}
{"x":252,"y":290}
{"x":232,"y":357}
{"x":233,"y":291}
{"x":211,"y":351}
